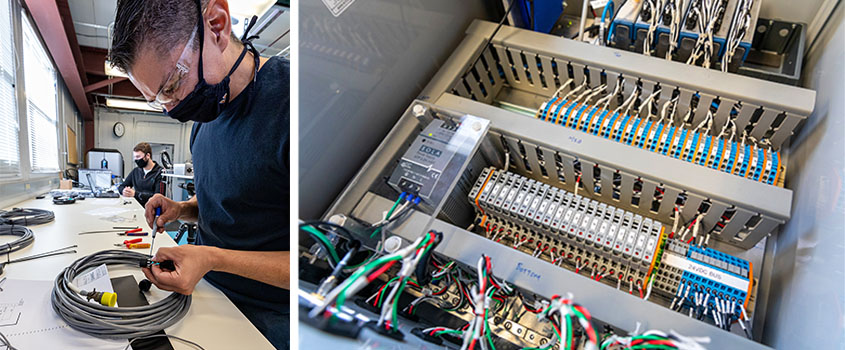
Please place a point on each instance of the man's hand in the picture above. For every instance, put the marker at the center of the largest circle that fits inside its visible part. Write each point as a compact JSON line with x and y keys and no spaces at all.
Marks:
{"x":170,"y":211}
{"x":128,"y":192}
{"x":192,"y":263}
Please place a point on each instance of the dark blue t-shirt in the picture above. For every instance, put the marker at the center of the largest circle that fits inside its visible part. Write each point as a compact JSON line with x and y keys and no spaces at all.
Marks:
{"x":241,"y":173}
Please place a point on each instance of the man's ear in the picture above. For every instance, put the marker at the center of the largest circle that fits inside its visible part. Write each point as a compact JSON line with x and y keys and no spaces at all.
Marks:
{"x":219,"y":22}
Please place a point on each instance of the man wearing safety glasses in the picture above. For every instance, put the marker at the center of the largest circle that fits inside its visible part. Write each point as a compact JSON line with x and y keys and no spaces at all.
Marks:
{"x":182,"y":56}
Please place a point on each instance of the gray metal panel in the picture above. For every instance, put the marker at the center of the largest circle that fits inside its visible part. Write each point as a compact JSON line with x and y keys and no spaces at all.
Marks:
{"x":549,"y":160}
{"x":703,"y":107}
{"x":737,"y":222}
{"x":577,"y":72}
{"x":667,"y":206}
{"x":535,"y":73}
{"x":764,"y":227}
{"x":626,"y":190}
{"x":514,"y":147}
{"x":519,"y":66}
{"x":606,"y":184}
{"x":485,"y":81}
{"x":771,"y":200}
{"x":745,"y":114}
{"x":602,"y":301}
{"x":723,"y":113}
{"x":784,"y":131}
{"x":548,"y":72}
{"x":647,"y":195}
{"x":765,"y":123}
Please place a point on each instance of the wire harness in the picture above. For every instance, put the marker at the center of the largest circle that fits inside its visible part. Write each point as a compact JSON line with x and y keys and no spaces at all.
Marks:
{"x":25,"y":234}
{"x":107,"y":321}
{"x":26,"y":216}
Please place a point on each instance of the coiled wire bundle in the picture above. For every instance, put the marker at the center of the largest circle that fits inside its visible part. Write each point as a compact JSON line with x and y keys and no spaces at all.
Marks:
{"x":26,"y":216}
{"x":102,"y":321}
{"x":25,"y":234}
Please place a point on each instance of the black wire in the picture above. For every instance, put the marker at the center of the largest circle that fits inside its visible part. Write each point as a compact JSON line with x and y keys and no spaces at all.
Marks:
{"x":319,"y":223}
{"x":26,"y":216}
{"x":490,"y":39}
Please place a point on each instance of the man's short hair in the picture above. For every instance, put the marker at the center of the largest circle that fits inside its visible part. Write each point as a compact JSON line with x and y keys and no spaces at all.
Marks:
{"x":143,"y":147}
{"x":161,"y":24}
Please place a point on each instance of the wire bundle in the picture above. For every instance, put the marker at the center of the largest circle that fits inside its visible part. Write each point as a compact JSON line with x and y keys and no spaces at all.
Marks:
{"x":653,"y":340}
{"x":26,"y":216}
{"x":25,"y":234}
{"x":366,"y":274}
{"x":112,"y":322}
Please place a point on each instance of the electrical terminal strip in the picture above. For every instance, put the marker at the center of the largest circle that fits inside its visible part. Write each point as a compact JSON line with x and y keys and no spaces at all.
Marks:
{"x":743,"y":158}
{"x":566,"y":228}
{"x":608,"y":243}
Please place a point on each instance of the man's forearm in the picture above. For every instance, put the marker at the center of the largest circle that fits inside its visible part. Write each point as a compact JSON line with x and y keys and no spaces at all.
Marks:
{"x":189,"y":210}
{"x":272,"y":268}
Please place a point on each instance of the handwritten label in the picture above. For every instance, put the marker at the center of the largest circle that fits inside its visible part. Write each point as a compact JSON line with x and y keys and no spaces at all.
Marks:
{"x":575,"y":140}
{"x":527,"y":272}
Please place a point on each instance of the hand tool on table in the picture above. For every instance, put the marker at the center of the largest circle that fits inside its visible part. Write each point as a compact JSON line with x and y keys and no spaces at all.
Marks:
{"x":133,"y":244}
{"x":133,"y":232}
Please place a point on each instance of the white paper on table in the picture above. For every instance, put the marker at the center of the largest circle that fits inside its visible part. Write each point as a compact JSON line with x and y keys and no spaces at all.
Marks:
{"x":29,"y":322}
{"x":97,"y":279}
{"x":107,"y":211}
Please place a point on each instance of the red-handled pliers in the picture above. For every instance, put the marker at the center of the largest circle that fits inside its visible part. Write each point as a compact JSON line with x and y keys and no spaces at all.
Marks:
{"x":133,"y":232}
{"x":128,"y":242}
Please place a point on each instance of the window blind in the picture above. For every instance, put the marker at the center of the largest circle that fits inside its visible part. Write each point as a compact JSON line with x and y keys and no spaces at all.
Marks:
{"x":41,"y":104}
{"x":9,"y":126}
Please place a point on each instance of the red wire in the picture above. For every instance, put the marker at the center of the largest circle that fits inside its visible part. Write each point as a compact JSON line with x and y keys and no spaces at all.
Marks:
{"x":380,"y":271}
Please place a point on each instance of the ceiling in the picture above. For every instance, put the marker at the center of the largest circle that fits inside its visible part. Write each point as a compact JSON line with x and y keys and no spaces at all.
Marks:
{"x":91,"y":20}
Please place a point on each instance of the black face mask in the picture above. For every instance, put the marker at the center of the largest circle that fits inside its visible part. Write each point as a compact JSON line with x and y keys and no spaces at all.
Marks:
{"x":206,"y":102}
{"x":141,"y":163}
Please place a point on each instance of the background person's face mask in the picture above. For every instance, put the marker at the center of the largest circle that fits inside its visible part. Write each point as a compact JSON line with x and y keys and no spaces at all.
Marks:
{"x":141,"y":163}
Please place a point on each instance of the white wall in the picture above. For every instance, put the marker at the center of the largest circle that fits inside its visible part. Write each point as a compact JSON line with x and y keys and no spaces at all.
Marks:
{"x":141,"y":127}
{"x":29,"y":185}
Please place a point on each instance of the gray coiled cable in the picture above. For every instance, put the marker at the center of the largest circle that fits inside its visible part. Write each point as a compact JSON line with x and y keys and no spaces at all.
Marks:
{"x":26,"y":216}
{"x":113,"y":322}
{"x":25,"y":239}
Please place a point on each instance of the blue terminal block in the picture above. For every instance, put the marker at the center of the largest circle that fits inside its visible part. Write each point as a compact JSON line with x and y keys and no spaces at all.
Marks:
{"x":721,"y":276}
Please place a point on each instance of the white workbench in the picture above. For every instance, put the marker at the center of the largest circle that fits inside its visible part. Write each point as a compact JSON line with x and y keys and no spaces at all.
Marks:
{"x":212,"y":321}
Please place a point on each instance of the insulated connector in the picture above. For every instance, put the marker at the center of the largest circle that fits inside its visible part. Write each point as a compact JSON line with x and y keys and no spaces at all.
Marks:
{"x":104,"y":298}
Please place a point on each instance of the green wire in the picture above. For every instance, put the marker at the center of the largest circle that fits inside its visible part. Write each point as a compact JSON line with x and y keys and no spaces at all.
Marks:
{"x":319,"y":235}
{"x":569,"y":332}
{"x":341,"y":298}
{"x":437,"y":334}
{"x":396,"y":301}
{"x":389,"y":213}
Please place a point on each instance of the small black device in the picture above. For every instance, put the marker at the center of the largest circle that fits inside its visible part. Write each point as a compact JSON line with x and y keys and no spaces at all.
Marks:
{"x":64,"y":200}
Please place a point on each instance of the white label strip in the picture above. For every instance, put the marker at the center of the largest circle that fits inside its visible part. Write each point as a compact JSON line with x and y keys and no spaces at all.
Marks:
{"x":705,"y":271}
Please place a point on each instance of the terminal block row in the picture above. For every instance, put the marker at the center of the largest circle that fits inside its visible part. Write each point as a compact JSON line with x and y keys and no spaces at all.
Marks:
{"x":584,"y":225}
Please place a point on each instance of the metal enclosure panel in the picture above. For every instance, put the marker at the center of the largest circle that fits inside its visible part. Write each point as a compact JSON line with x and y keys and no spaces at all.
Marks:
{"x":812,"y":242}
{"x":355,"y":90}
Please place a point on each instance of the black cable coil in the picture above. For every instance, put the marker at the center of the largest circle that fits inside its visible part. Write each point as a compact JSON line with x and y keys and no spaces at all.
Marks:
{"x":26,"y":216}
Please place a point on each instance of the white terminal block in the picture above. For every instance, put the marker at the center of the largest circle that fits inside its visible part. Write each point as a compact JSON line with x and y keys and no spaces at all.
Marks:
{"x":575,"y":221}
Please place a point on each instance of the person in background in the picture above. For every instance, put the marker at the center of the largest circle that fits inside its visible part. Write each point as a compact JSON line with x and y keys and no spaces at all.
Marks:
{"x":145,"y":180}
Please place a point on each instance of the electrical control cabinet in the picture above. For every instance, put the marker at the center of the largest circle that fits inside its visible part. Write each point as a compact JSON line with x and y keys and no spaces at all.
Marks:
{"x":583,"y":183}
